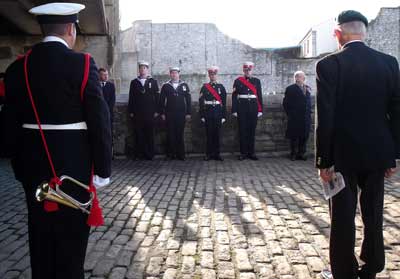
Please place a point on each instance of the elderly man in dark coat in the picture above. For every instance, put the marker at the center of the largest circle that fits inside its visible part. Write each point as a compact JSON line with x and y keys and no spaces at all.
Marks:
{"x":297,"y":105}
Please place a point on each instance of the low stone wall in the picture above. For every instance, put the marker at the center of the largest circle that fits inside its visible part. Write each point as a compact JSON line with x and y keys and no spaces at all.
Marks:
{"x":270,"y":134}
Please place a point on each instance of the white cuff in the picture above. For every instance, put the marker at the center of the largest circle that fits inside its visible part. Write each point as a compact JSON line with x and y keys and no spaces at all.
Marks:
{"x":234,"y":114}
{"x":100,"y":182}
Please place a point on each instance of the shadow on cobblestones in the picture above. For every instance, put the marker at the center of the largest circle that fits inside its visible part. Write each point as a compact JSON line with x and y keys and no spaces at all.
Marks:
{"x":196,"y":219}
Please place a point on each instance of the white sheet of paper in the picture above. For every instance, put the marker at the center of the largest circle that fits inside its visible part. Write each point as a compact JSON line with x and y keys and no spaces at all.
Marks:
{"x":334,"y":186}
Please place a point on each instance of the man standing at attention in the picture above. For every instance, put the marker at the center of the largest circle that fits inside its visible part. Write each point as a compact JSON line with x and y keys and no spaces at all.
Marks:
{"x":358,"y":134}
{"x":143,"y":100}
{"x":212,"y":104}
{"x":57,"y":123}
{"x":247,"y":106}
{"x":297,"y":105}
{"x":175,"y":108}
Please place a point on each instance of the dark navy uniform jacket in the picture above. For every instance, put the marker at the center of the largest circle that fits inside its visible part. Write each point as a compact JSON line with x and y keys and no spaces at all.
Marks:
{"x":175,"y":101}
{"x":212,"y":110}
{"x":55,"y":76}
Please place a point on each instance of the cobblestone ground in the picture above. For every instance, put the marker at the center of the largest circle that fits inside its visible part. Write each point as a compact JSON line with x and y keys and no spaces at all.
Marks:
{"x":196,"y":219}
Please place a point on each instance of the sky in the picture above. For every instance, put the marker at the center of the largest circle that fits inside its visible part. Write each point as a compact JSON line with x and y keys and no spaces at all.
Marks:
{"x":258,"y":23}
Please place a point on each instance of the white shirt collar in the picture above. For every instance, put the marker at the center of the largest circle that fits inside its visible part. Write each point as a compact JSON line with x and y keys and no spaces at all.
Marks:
{"x":353,"y":41}
{"x":55,"y":39}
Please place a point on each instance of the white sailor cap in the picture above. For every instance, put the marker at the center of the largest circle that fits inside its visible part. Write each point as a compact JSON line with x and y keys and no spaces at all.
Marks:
{"x":248,"y":65}
{"x":143,"y":63}
{"x":56,"y":13}
{"x":171,"y":69}
{"x":213,"y":70}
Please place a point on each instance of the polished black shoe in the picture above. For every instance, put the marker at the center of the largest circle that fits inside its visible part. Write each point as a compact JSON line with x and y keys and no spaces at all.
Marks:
{"x":181,"y":158}
{"x":301,"y":157}
{"x":207,"y":158}
{"x":253,"y":157}
{"x":218,"y":158}
{"x":241,"y":157}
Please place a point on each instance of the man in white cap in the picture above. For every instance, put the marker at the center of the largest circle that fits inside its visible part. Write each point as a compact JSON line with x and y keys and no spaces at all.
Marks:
{"x":143,"y":100}
{"x":175,"y":108}
{"x":57,"y":124}
{"x":247,"y":106}
{"x":212,"y":104}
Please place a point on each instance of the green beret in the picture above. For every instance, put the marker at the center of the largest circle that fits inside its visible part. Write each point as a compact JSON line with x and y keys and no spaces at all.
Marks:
{"x":351,"y":15}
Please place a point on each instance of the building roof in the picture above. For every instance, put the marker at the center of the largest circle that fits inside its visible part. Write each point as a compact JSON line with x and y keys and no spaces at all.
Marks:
{"x":15,"y":18}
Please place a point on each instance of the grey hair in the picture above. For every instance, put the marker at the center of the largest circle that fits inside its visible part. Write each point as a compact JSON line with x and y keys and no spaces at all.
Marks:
{"x":354,"y":28}
{"x":299,"y":73}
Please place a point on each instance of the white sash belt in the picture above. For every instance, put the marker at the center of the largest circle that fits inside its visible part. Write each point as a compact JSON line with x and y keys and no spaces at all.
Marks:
{"x":212,"y":103}
{"x":247,"y":96}
{"x":72,"y":126}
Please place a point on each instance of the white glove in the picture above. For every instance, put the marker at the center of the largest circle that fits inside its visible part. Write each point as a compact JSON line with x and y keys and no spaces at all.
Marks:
{"x":100,"y":182}
{"x":234,"y":114}
{"x":223,"y":120}
{"x":259,"y":114}
{"x":203,"y":120}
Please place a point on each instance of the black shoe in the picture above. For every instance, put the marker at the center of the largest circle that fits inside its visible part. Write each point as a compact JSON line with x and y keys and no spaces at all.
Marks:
{"x":241,"y":157}
{"x":363,"y":274}
{"x":292,"y":157}
{"x":218,"y":158}
{"x":253,"y":157}
{"x":207,"y":158}
{"x":301,"y":157}
{"x":181,"y":158}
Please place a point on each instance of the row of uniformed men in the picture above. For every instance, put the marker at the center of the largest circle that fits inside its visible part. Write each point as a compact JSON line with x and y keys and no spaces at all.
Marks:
{"x":173,"y":104}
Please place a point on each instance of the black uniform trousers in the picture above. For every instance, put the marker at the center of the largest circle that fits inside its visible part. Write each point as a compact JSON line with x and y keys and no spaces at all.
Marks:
{"x":213,"y":131}
{"x":247,"y":119}
{"x":144,"y":137}
{"x":298,"y":146}
{"x":175,"y":135}
{"x":63,"y":233}
{"x":342,"y":238}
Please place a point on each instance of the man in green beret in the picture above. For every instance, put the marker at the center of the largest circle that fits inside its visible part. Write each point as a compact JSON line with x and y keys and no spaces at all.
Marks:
{"x":358,"y":135}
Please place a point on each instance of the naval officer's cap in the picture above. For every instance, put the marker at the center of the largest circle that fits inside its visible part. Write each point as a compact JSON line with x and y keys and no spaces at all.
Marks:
{"x":57,"y":13}
{"x":248,"y":65}
{"x":351,"y":15}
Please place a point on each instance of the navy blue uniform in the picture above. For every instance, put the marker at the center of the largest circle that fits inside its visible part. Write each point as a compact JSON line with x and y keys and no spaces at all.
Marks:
{"x":247,"y":109}
{"x":57,"y":240}
{"x":143,"y":101}
{"x":175,"y":104}
{"x":109,"y":96}
{"x":213,"y":112}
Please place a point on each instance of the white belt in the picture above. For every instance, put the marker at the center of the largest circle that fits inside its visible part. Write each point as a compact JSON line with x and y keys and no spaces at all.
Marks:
{"x":72,"y":126}
{"x":247,"y":96}
{"x":212,"y":103}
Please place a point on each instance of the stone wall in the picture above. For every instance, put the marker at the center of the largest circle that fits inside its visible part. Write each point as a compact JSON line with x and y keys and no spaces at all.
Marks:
{"x":196,"y":46}
{"x":270,"y":130}
{"x":384,"y":32}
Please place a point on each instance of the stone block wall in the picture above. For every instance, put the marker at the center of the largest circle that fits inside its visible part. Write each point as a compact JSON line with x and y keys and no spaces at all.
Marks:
{"x":270,"y":133}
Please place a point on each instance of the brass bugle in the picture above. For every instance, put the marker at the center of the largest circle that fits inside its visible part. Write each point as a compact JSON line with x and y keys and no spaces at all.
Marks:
{"x":45,"y":192}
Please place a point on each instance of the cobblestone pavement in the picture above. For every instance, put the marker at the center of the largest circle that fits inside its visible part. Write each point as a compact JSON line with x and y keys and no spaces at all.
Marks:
{"x":196,"y":219}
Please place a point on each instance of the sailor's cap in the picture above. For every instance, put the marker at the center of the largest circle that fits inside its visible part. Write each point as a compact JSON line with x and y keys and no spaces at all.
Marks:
{"x":143,"y":63}
{"x":177,"y":69}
